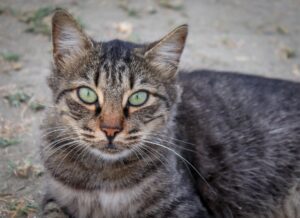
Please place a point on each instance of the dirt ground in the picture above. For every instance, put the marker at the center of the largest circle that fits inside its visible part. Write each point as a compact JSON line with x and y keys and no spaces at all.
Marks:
{"x":259,"y":37}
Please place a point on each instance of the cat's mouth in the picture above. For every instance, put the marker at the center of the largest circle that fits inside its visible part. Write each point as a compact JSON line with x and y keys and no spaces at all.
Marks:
{"x":111,"y":148}
{"x":111,"y":151}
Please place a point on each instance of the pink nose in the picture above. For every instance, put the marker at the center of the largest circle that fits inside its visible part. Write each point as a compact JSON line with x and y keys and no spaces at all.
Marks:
{"x":110,"y":131}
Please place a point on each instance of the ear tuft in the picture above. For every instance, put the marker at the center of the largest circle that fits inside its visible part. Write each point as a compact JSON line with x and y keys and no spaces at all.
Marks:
{"x":69,"y":41}
{"x":165,"y":54}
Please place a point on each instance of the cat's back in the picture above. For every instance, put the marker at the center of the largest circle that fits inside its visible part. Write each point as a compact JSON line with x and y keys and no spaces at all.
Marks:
{"x":237,"y":99}
{"x":240,"y":87}
{"x":247,"y":135}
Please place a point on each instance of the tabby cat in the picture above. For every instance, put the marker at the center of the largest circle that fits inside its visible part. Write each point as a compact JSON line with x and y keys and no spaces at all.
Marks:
{"x":129,"y":136}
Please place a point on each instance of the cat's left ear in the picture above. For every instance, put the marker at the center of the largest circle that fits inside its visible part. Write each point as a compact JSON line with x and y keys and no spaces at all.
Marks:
{"x":164,"y":55}
{"x":69,"y":40}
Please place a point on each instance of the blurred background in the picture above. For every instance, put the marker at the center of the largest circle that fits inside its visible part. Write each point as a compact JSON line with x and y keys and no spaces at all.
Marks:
{"x":260,"y":37}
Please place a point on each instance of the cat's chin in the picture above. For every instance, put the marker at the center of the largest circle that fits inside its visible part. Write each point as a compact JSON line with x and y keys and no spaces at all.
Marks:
{"x":111,"y":154}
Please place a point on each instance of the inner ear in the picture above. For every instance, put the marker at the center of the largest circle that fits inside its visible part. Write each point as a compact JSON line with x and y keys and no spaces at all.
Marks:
{"x":164,"y":55}
{"x":69,"y":41}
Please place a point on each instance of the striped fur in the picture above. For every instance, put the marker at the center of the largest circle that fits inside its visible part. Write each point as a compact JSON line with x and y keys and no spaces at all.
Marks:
{"x":137,"y":178}
{"x":204,"y":144}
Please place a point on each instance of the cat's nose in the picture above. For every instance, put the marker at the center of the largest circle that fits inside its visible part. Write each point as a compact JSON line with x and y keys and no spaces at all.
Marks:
{"x":111,"y":124}
{"x":110,"y":131}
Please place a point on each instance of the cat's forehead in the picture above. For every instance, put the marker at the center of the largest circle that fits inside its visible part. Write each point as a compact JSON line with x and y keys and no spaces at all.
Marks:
{"x":117,"y":51}
{"x":116,"y":71}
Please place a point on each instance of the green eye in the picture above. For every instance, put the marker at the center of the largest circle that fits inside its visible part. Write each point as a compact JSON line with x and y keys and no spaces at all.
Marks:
{"x":87,"y":95}
{"x":138,"y":98}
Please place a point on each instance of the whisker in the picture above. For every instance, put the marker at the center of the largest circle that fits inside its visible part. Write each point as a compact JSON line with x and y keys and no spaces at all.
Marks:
{"x":172,"y":143}
{"x":157,"y":157}
{"x":76,"y":145}
{"x":137,"y":153}
{"x":182,"y":158}
{"x":53,"y":131}
{"x":82,"y":153}
{"x":56,"y":142}
{"x":60,"y":148}
{"x":168,"y":137}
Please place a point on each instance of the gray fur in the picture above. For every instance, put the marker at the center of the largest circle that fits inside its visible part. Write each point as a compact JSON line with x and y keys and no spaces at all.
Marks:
{"x":205,"y":144}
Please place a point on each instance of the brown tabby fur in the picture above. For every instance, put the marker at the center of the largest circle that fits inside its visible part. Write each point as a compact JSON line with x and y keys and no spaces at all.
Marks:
{"x":204,"y":144}
{"x":133,"y":176}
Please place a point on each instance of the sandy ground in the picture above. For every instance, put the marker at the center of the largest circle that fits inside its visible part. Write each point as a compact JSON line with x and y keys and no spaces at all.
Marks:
{"x":259,"y":37}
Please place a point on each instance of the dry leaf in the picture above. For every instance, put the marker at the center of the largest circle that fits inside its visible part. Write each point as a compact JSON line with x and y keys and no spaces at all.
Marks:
{"x":23,"y":171}
{"x":296,"y":70}
{"x":17,"y":66}
{"x":281,"y":30}
{"x":124,"y":28}
{"x":287,"y":53}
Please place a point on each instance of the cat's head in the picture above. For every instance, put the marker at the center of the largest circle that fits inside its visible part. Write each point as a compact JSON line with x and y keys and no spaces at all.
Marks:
{"x":110,"y":97}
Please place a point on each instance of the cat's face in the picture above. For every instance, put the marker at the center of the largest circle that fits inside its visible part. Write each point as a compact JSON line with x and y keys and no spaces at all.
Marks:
{"x":110,"y":97}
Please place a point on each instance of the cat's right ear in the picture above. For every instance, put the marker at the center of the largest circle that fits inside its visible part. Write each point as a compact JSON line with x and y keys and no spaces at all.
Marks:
{"x":69,"y":41}
{"x":164,"y":55}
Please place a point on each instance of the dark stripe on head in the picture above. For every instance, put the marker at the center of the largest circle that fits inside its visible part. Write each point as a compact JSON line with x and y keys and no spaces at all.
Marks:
{"x":67,"y":113}
{"x":76,"y":108}
{"x":74,"y":116}
{"x":98,"y":108}
{"x":87,"y":129}
{"x":96,"y":76}
{"x":121,"y":68}
{"x":126,"y":112}
{"x":85,"y":75}
{"x":131,"y":80}
{"x":153,"y":118}
{"x":113,"y":76}
{"x":87,"y":135}
{"x":151,"y":109}
{"x":162,"y":97}
{"x":120,"y":76}
{"x":61,"y":94}
{"x":143,"y":81}
{"x":127,"y":57}
{"x":106,"y":70}
{"x":132,"y":138}
{"x":135,"y":130}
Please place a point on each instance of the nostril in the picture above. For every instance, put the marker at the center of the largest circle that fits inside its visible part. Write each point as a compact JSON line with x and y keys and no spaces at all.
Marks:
{"x":111,"y":132}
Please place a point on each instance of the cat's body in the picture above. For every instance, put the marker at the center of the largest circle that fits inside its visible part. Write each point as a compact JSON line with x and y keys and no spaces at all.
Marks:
{"x":128,"y":138}
{"x":246,"y":131}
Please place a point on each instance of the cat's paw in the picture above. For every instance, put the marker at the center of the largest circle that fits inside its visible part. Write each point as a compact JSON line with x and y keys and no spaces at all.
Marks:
{"x":53,"y":210}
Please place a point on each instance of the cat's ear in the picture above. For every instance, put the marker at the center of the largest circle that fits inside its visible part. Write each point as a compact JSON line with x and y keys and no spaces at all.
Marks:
{"x":69,"y":41}
{"x":164,"y":55}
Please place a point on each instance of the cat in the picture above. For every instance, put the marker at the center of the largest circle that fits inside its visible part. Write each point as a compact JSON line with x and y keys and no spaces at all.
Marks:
{"x":130,"y":136}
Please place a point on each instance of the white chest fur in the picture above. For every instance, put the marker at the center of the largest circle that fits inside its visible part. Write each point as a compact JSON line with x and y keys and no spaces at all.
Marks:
{"x":97,"y":203}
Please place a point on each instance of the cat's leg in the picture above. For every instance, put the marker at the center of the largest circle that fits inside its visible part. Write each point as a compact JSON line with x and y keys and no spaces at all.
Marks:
{"x":50,"y":209}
